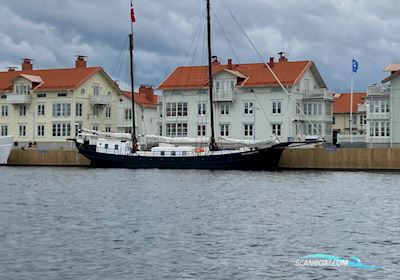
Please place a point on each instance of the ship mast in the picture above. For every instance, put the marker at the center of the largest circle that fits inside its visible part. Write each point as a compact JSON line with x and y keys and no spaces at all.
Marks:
{"x":213,"y":144}
{"x":134,"y":139}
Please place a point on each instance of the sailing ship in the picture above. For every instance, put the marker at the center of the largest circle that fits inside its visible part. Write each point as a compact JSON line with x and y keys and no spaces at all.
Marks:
{"x":127,"y":153}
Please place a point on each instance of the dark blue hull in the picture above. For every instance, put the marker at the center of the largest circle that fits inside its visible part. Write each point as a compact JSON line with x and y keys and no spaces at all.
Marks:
{"x":257,"y":159}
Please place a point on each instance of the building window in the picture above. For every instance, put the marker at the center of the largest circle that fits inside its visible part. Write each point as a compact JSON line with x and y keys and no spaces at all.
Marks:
{"x":95,"y":111}
{"x":96,"y":89}
{"x":171,"y":109}
{"x":128,"y":114}
{"x":333,"y":120}
{"x":354,"y":119}
{"x":224,"y":109}
{"x":276,"y":129}
{"x":248,"y":130}
{"x":181,"y":130}
{"x":78,"y":109}
{"x":4,"y":130}
{"x":22,"y":110}
{"x":160,"y":130}
{"x":176,"y":129}
{"x":176,"y":109}
{"x":298,"y":106}
{"x":128,"y":130}
{"x":108,"y":112}
{"x":314,"y":109}
{"x":41,"y":95}
{"x":62,"y":94}
{"x":224,"y":129}
{"x":182,"y":109}
{"x":380,"y":129}
{"x":41,"y":110}
{"x":22,"y":89}
{"x":201,"y":130}
{"x":95,"y":128}
{"x":61,"y":129}
{"x":61,"y":110}
{"x":40,"y":130}
{"x":83,"y":91}
{"x":248,"y":108}
{"x":201,"y":109}
{"x":22,"y":130}
{"x":313,"y":129}
{"x":363,"y":120}
{"x":4,"y":111}
{"x":108,"y":128}
{"x":276,"y":107}
{"x":78,"y":128}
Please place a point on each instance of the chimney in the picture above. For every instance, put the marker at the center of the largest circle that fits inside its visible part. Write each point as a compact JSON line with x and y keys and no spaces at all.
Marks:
{"x":27,"y":64}
{"x":148,"y":92}
{"x":271,"y":62}
{"x":230,"y":66}
{"x":12,"y":69}
{"x":80,"y":61}
{"x":282,"y":57}
{"x":214,"y":60}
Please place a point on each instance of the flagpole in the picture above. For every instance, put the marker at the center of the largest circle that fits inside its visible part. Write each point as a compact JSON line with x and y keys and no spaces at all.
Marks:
{"x":351,"y":107}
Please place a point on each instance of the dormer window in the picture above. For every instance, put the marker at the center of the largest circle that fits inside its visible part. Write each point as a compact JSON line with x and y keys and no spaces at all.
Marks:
{"x":22,"y":89}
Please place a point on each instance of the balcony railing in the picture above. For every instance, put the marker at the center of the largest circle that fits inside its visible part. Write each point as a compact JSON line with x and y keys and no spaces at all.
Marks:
{"x":352,"y":138}
{"x":19,"y":98}
{"x":378,"y":90}
{"x":224,"y":95}
{"x":319,"y":94}
{"x":100,"y":100}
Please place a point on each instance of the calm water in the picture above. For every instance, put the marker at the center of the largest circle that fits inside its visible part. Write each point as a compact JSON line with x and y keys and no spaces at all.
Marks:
{"x":127,"y":224}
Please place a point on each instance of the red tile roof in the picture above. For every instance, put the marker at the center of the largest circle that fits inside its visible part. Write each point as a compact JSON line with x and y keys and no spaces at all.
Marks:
{"x":341,"y":102}
{"x":145,"y":97}
{"x":53,"y":79}
{"x":185,"y":77}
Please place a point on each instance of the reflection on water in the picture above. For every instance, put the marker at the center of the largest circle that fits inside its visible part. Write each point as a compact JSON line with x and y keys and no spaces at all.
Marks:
{"x":80,"y":223}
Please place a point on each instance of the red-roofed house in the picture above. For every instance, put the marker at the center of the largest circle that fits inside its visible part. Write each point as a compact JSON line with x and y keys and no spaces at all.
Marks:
{"x":249,"y":103}
{"x":341,"y":113}
{"x":146,"y":114}
{"x":48,"y":106}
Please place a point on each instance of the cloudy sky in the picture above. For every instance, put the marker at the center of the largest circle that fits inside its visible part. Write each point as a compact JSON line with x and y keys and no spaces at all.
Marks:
{"x":169,"y":33}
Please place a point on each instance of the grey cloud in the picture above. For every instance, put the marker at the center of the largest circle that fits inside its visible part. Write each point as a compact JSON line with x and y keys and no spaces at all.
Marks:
{"x":329,"y":32}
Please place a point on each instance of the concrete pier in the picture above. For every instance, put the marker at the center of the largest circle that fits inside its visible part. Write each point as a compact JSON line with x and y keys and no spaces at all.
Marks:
{"x":302,"y":159}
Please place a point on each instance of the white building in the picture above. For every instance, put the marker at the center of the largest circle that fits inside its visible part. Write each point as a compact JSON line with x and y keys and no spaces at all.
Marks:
{"x":49,"y":106}
{"x":249,"y":103}
{"x":383,"y":110}
{"x":147,"y":117}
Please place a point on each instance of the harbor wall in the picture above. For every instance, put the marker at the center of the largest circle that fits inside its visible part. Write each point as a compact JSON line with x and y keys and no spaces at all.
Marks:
{"x":47,"y":158}
{"x":341,"y":159}
{"x":318,"y":158}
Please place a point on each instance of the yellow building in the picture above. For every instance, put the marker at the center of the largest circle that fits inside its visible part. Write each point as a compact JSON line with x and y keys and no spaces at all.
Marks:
{"x":49,"y":106}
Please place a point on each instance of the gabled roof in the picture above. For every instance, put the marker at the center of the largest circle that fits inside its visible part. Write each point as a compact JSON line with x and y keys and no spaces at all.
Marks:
{"x":53,"y":79}
{"x":149,"y":101}
{"x":341,"y":102}
{"x":288,"y":72}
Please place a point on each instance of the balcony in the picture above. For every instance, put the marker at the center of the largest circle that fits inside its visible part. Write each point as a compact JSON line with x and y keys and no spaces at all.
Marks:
{"x":355,"y":138}
{"x":318,"y":94}
{"x":100,"y":100}
{"x":19,"y":98}
{"x":378,"y":90}
{"x":224,"y":95}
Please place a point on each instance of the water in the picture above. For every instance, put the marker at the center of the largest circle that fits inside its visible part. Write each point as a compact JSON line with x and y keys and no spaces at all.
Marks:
{"x":78,"y":223}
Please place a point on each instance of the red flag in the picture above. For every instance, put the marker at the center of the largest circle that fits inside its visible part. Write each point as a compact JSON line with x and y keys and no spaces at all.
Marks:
{"x":133,"y":19}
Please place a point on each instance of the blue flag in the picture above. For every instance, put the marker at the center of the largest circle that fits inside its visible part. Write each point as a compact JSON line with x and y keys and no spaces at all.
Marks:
{"x":355,"y":65}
